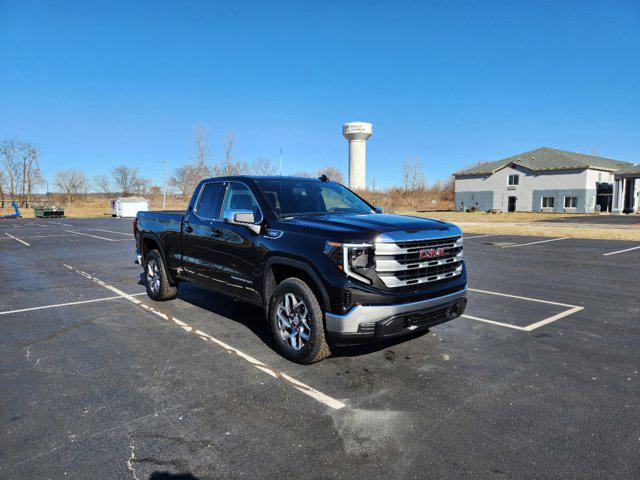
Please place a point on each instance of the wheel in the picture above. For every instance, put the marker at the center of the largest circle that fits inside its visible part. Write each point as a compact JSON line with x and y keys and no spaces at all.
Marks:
{"x":156,"y":280}
{"x":297,"y":323}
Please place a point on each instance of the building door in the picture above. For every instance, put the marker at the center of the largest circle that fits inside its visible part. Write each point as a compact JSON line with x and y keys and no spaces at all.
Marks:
{"x":512,"y":204}
{"x":628,"y":196}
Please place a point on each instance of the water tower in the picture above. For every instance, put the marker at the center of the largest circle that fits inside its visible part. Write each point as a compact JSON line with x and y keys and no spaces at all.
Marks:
{"x":357,"y":133}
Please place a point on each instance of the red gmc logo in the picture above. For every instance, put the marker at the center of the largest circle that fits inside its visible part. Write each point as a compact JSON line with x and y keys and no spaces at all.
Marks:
{"x":430,"y":253}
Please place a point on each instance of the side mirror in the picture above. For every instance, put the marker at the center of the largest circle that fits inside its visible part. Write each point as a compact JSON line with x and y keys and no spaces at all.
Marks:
{"x":242,"y":217}
{"x":378,"y":209}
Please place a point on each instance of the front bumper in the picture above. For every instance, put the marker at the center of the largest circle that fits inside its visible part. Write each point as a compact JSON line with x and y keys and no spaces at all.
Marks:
{"x":367,"y":322}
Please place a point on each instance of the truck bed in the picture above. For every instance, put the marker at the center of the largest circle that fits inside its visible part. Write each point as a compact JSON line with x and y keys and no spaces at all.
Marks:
{"x":166,"y":226}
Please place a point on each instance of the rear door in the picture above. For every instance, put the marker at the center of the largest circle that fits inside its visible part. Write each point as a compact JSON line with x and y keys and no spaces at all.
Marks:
{"x":200,"y":258}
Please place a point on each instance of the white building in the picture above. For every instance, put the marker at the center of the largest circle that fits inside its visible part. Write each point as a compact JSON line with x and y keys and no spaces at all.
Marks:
{"x":543,"y":180}
{"x":626,"y":189}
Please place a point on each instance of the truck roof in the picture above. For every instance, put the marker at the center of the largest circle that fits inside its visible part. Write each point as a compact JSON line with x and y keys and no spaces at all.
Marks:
{"x":264,"y":177}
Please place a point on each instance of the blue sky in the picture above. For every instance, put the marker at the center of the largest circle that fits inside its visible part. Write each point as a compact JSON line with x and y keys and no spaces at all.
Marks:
{"x":95,"y":84}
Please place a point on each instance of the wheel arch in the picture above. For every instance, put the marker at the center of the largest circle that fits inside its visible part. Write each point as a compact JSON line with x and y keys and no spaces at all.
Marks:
{"x":150,"y":241}
{"x":279,"y":268}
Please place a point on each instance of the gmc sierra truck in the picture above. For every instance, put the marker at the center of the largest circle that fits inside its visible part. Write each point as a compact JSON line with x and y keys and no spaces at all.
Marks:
{"x":327,"y":267}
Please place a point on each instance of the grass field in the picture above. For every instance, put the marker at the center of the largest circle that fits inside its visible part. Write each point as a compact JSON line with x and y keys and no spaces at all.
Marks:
{"x":519,"y":223}
{"x":534,"y":224}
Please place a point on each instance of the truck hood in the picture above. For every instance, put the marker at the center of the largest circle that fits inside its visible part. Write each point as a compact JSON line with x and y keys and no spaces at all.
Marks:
{"x":370,"y":226}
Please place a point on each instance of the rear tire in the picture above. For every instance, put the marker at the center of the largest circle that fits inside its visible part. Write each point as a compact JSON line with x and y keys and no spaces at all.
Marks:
{"x":297,"y":323}
{"x":156,"y":279}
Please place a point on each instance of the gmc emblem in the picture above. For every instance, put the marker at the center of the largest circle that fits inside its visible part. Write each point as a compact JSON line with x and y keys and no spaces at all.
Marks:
{"x":430,"y":253}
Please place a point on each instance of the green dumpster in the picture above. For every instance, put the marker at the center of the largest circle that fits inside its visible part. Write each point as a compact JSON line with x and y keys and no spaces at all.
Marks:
{"x":48,"y":212}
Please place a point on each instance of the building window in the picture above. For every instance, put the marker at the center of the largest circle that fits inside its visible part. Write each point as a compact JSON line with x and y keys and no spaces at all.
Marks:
{"x":514,"y":180}
{"x":570,"y":202}
{"x":548,"y":202}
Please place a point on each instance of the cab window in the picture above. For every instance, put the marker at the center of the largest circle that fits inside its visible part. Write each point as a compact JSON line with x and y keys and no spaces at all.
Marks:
{"x":239,"y":197}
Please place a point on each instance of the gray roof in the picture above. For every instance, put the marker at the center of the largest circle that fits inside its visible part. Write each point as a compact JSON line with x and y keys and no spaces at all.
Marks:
{"x":544,"y":158}
{"x":631,"y":168}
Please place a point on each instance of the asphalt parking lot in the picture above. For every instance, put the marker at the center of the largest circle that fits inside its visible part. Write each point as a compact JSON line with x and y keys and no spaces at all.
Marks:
{"x":540,"y":379}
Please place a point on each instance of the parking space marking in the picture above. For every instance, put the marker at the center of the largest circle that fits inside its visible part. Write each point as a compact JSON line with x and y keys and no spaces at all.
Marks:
{"x":494,"y":322}
{"x":63,"y":224}
{"x":621,"y":251}
{"x":41,"y":236}
{"x":111,"y":231}
{"x":535,"y":243}
{"x":57,"y":305}
{"x":94,"y":236}
{"x":571,"y":309}
{"x":480,"y":236}
{"x":298,"y":385}
{"x":16,"y":238}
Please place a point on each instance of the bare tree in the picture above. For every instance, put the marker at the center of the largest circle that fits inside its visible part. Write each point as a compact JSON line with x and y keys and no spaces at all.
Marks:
{"x":304,"y":174}
{"x":331,"y":172}
{"x":227,"y":165}
{"x":128,"y":181}
{"x":2,"y":187}
{"x":184,"y":179}
{"x":262,"y":166}
{"x":413,"y":177}
{"x":102,"y":184}
{"x":71,"y":183}
{"x":201,"y":152}
{"x":31,"y":175}
{"x":9,"y":149}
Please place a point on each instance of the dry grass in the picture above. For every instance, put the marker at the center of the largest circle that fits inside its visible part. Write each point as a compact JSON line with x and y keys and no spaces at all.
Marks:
{"x":519,"y":223}
{"x":94,"y":207}
{"x":533,"y":224}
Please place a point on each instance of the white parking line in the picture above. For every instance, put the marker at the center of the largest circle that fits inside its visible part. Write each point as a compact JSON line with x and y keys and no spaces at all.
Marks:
{"x":41,"y":236}
{"x":535,"y":243}
{"x":57,"y":305}
{"x":621,"y":251}
{"x":111,"y":231}
{"x":571,"y":309}
{"x":500,"y":324}
{"x":520,"y":297}
{"x":94,"y":236}
{"x":306,"y":389}
{"x":16,"y":238}
{"x":479,"y":236}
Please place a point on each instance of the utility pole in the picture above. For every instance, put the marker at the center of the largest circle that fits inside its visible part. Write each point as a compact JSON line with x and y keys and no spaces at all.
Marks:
{"x":164,"y":188}
{"x":280,"y":161}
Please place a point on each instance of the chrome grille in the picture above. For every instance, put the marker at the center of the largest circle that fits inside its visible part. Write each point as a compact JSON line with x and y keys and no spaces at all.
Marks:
{"x":399,"y":264}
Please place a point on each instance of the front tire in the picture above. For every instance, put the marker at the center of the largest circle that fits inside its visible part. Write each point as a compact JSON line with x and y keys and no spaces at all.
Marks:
{"x":297,"y":323}
{"x":156,"y":279}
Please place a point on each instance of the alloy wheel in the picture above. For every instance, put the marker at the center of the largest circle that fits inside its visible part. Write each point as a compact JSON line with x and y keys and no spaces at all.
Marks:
{"x":153,"y":275}
{"x":293,"y":321}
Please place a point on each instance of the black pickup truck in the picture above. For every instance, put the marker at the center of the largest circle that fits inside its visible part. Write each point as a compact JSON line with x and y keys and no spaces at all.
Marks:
{"x":327,"y":267}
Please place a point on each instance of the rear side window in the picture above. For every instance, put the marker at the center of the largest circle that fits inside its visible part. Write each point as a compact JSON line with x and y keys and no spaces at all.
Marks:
{"x":209,"y":202}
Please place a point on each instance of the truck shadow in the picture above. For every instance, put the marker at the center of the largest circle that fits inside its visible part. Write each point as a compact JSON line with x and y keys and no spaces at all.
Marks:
{"x":252,"y":318}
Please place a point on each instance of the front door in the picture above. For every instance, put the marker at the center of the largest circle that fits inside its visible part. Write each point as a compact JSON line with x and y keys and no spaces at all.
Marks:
{"x":512,"y":204}
{"x":239,"y":248}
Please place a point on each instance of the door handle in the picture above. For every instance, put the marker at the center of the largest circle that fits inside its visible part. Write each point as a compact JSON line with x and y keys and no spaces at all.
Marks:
{"x":188,"y":229}
{"x":216,"y":232}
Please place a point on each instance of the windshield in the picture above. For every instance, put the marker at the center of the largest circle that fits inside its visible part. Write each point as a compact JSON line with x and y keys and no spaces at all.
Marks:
{"x":293,"y":198}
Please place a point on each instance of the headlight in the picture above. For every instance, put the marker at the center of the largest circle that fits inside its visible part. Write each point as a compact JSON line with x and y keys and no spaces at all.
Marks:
{"x":351,"y":257}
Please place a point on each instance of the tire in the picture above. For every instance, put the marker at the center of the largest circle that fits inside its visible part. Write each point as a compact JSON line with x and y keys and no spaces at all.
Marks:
{"x":295,"y":303}
{"x":156,"y":279}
